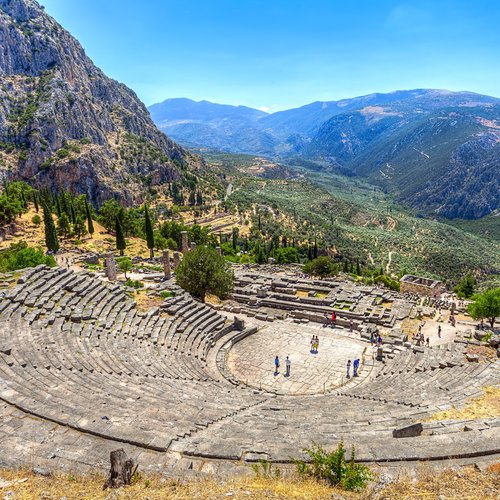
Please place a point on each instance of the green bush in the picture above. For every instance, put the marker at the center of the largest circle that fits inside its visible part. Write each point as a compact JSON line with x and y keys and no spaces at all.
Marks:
{"x":322,"y":266}
{"x":134,"y":283}
{"x":334,"y":468}
{"x":20,"y":255}
{"x":36,"y":220}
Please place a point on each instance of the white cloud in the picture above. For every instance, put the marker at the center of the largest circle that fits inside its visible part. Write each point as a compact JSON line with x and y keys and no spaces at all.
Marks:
{"x":264,"y":108}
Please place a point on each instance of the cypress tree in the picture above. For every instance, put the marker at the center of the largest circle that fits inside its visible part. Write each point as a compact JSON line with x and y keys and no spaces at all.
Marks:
{"x":35,"y":200}
{"x":346,"y":266}
{"x":358,"y":268}
{"x":90,"y":223}
{"x":315,"y":249}
{"x":51,"y":241}
{"x":235,"y":238}
{"x":58,"y":207}
{"x":148,"y":227}
{"x":120,"y":238}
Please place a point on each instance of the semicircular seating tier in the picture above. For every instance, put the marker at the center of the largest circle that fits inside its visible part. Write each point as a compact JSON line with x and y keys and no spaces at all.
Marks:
{"x":80,"y":363}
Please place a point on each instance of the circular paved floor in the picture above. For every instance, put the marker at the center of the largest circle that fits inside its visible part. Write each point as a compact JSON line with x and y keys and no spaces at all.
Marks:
{"x":252,"y":360}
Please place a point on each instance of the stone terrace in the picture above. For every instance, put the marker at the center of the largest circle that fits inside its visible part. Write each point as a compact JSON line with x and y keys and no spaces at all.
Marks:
{"x":83,"y":371}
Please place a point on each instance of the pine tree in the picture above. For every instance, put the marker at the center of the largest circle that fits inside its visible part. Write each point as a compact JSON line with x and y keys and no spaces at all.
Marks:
{"x":79,"y":226}
{"x":63,"y":226}
{"x":51,"y":241}
{"x":358,"y":268}
{"x":120,"y":238}
{"x":90,"y":222}
{"x":148,"y":229}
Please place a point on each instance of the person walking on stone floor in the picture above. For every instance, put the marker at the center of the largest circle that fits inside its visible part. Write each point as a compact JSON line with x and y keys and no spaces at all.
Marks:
{"x":348,"y":368}
{"x":427,"y":342}
{"x":439,"y":331}
{"x":372,"y":338}
{"x":334,"y":318}
{"x":288,"y":364}
{"x":313,"y":341}
{"x":276,"y":365}
{"x":355,"y":367}
{"x":316,"y":344}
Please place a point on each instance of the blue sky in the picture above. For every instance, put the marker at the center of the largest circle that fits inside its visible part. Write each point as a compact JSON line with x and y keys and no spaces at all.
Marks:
{"x":278,"y":54}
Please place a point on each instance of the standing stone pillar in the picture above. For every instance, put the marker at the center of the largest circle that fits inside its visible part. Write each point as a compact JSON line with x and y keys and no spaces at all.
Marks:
{"x":110,"y":266}
{"x":177,"y":259}
{"x":219,"y":250}
{"x":184,"y":242}
{"x":193,"y":245}
{"x":166,"y":265}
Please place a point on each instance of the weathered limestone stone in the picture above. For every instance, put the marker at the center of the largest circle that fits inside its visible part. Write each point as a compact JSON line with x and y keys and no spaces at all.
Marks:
{"x":110,"y":266}
{"x":238,"y":324}
{"x":167,"y":271}
{"x":413,"y":430}
{"x":184,"y":242}
{"x":193,"y":245}
{"x":380,"y":353}
{"x":177,"y":260}
{"x":219,"y":250}
{"x":261,"y":293}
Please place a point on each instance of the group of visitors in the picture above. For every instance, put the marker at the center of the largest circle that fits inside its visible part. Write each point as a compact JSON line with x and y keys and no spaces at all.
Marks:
{"x":314,"y":344}
{"x":288,"y":365}
{"x":355,"y":368}
{"x":329,"y":321}
{"x":375,"y":339}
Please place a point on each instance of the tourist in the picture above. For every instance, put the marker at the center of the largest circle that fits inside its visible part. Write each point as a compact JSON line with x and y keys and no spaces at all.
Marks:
{"x":313,"y":340}
{"x":350,"y":325}
{"x":316,"y":345}
{"x":439,"y":331}
{"x":348,"y":367}
{"x":325,"y":320}
{"x":287,"y":364}
{"x":372,"y":338}
{"x":379,"y":340}
{"x":334,"y":318}
{"x":355,"y":367}
{"x":427,"y":342}
{"x":276,"y":365}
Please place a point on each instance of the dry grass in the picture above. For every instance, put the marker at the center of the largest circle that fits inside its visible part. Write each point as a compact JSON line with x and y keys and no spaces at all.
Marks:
{"x":410,"y":326}
{"x":485,"y":406}
{"x":453,"y":484}
{"x":463,"y":484}
{"x":145,"y":302}
{"x":482,"y":351}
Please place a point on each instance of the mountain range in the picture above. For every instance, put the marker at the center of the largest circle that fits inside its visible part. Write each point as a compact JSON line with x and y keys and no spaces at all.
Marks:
{"x":436,"y":150}
{"x":64,"y":123}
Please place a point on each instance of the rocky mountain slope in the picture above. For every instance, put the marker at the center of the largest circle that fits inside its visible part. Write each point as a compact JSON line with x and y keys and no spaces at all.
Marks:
{"x":216,"y":126}
{"x":435,"y":150}
{"x":64,"y":122}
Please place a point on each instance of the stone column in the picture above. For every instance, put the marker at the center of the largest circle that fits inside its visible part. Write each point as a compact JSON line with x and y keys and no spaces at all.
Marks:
{"x":166,"y":265}
{"x":110,"y":265}
{"x":177,"y":259}
{"x":193,"y":245}
{"x":219,"y":250}
{"x":184,"y":242}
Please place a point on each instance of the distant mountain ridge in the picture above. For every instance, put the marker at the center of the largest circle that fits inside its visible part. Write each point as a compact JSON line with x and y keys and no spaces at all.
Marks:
{"x":63,"y":122}
{"x":437,"y":150}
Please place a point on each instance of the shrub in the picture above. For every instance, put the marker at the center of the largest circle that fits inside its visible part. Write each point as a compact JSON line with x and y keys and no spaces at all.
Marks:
{"x":20,"y":255}
{"x":36,"y":220}
{"x":321,"y":266}
{"x":134,"y":283}
{"x":334,"y":468}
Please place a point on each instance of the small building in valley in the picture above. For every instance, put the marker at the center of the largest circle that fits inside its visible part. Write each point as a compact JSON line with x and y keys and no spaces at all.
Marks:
{"x":422,"y":286}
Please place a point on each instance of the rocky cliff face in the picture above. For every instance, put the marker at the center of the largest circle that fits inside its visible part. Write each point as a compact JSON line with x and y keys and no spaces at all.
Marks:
{"x":63,"y":122}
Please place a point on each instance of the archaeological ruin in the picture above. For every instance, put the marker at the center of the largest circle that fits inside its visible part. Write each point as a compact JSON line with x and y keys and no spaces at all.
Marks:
{"x":188,"y":388}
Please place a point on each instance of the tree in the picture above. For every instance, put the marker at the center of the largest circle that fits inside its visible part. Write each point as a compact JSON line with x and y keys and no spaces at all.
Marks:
{"x":486,"y":305}
{"x":51,"y":240}
{"x":79,"y":227}
{"x":90,"y":222}
{"x":63,"y":225}
{"x":287,"y":255}
{"x":148,"y":229}
{"x":236,"y":233}
{"x":121,"y":244}
{"x":203,"y":271}
{"x":465,"y":287}
{"x":358,"y":268}
{"x":321,"y":266}
{"x":125,"y":265}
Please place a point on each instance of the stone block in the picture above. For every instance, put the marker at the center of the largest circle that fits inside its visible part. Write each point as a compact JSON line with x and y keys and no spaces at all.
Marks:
{"x":413,"y":430}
